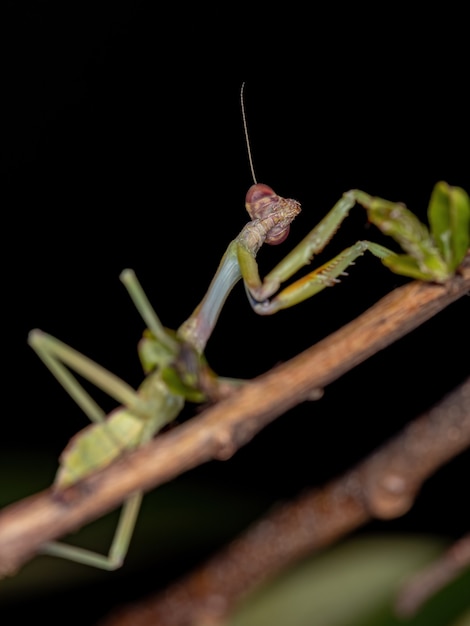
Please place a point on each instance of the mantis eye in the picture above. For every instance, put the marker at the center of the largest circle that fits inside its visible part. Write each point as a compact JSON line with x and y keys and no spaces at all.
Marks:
{"x":261,"y":202}
{"x":277,"y":235}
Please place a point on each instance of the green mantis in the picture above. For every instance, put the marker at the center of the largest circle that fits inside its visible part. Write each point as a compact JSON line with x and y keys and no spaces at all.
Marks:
{"x":173,"y":362}
{"x":430,"y":256}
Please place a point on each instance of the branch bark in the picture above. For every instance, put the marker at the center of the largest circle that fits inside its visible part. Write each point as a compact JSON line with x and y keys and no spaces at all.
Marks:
{"x":221,"y":430}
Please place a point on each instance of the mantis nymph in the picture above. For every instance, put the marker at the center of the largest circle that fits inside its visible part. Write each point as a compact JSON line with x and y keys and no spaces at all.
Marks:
{"x":173,"y":361}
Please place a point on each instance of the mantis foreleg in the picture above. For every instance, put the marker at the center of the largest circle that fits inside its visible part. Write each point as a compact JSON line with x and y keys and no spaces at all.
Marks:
{"x":261,"y":293}
{"x":305,"y":287}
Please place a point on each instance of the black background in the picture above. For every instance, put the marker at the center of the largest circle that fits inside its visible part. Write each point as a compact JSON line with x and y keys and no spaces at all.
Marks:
{"x":119,"y":154}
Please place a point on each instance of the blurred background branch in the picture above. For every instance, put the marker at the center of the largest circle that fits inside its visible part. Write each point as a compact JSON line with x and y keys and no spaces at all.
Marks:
{"x":383,"y":486}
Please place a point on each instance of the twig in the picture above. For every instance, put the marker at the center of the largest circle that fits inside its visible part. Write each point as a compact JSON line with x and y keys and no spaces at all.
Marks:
{"x":384,"y":486}
{"x":432,"y":579}
{"x":222,"y":429}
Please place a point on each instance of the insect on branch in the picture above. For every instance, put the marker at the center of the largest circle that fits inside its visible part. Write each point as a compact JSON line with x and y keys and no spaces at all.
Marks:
{"x":221,"y":430}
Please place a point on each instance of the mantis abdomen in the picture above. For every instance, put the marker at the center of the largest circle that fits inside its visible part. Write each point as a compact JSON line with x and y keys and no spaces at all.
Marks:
{"x":98,"y":445}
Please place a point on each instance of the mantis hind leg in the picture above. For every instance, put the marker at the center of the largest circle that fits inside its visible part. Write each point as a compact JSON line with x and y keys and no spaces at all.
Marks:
{"x":119,"y":545}
{"x":61,"y":360}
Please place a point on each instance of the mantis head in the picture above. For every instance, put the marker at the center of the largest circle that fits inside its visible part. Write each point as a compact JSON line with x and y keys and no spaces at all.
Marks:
{"x":262,"y":202}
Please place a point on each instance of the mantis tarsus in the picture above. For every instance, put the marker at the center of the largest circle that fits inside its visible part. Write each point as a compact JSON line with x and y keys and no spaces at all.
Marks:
{"x":173,"y":362}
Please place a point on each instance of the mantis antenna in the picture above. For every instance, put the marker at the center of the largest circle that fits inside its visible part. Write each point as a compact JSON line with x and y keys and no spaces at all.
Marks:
{"x":247,"y":138}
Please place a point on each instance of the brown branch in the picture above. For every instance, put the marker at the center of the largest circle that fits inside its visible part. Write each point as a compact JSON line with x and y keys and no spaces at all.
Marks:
{"x":222,"y":429}
{"x":384,"y":486}
{"x":432,"y":579}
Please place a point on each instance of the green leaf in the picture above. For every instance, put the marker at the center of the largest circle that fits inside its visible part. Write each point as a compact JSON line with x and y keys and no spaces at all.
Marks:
{"x":449,"y":217}
{"x":353,"y":584}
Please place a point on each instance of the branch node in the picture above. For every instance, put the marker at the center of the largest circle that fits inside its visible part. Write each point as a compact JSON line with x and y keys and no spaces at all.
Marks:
{"x":225,"y":446}
{"x":390,"y":496}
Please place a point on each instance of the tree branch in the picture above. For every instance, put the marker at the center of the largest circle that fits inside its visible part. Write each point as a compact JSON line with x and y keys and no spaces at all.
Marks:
{"x":423,"y":585}
{"x":222,"y":429}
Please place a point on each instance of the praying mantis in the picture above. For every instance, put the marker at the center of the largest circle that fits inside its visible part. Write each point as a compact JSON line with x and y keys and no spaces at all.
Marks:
{"x":173,"y":361}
